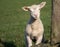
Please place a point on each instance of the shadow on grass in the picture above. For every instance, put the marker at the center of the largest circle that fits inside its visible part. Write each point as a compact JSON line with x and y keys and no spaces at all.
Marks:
{"x":58,"y":45}
{"x":7,"y":44}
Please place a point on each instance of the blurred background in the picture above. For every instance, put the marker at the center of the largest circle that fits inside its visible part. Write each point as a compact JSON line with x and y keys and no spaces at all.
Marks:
{"x":13,"y":21}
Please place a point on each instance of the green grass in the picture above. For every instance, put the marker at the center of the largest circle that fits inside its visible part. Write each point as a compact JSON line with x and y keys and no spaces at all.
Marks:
{"x":13,"y":20}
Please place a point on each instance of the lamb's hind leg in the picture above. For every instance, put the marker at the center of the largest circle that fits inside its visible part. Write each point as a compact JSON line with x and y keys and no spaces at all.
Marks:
{"x":29,"y":41}
{"x":39,"y":40}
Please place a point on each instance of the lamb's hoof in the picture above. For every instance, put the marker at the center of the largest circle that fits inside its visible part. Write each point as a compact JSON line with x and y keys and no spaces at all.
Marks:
{"x":39,"y":45}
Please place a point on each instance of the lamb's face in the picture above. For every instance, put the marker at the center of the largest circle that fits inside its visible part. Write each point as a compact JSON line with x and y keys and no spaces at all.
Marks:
{"x":34,"y":9}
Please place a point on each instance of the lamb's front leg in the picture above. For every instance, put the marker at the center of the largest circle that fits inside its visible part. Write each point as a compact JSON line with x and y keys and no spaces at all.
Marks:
{"x":39,"y":40}
{"x":29,"y":41}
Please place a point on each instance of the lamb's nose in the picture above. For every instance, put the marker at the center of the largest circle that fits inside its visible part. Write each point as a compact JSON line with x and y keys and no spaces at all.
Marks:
{"x":35,"y":14}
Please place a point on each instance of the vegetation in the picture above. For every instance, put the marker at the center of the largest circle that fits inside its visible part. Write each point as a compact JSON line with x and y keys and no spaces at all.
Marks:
{"x":13,"y":21}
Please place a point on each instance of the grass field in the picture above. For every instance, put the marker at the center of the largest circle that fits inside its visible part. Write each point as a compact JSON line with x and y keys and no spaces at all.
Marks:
{"x":13,"y":21}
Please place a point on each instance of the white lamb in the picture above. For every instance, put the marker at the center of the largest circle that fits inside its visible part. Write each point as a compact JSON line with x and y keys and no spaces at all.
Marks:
{"x":34,"y":29}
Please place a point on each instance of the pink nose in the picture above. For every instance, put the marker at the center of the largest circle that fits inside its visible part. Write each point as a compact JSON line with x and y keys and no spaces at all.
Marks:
{"x":35,"y":14}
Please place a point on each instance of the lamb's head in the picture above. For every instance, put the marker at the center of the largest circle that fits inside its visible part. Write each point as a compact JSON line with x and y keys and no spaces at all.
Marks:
{"x":34,"y":9}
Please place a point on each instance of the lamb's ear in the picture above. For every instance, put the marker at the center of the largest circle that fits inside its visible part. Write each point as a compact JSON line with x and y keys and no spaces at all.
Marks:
{"x":41,"y":5}
{"x":25,"y":8}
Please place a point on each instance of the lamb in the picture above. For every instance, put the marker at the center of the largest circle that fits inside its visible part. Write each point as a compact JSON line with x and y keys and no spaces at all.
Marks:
{"x":34,"y":29}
